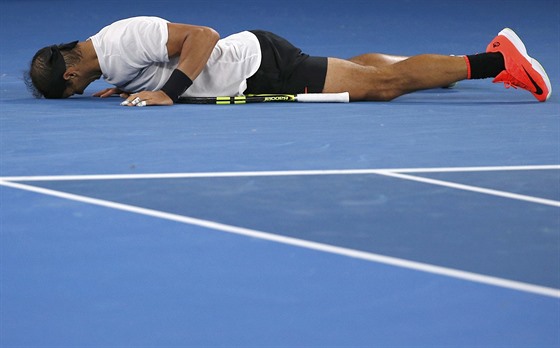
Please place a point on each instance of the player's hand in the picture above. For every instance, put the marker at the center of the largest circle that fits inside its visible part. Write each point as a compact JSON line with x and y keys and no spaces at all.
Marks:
{"x":147,"y":98}
{"x":107,"y":92}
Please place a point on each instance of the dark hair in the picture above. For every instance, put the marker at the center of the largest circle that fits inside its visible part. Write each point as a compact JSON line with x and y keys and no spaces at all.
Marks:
{"x":45,"y":75}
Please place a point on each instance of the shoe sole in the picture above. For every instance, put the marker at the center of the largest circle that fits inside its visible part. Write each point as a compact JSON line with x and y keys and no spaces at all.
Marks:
{"x":512,"y":36}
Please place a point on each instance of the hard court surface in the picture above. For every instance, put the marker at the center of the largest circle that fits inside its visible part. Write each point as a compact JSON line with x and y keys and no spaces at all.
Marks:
{"x":429,"y":221}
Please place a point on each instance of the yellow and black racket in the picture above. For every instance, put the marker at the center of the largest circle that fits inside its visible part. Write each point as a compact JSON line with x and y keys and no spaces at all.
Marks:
{"x":269,"y":98}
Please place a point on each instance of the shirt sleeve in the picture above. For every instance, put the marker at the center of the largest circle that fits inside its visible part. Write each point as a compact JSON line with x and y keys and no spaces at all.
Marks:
{"x":144,"y":40}
{"x":131,"y":47}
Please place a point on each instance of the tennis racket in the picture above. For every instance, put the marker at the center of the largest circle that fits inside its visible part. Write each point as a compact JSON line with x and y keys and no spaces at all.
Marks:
{"x":269,"y":98}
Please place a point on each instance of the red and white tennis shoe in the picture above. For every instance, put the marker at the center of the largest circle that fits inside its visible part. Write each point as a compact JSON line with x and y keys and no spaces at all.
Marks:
{"x":521,"y":70}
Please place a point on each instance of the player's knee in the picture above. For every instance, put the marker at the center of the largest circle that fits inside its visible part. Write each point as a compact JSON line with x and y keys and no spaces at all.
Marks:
{"x":385,"y":87}
{"x":381,"y":95}
{"x":388,"y":95}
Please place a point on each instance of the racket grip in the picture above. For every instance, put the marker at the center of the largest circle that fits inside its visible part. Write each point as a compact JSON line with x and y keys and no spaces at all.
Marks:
{"x":324,"y":97}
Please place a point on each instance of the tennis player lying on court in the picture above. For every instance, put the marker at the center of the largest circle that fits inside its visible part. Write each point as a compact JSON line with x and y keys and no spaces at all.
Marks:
{"x":151,"y":61}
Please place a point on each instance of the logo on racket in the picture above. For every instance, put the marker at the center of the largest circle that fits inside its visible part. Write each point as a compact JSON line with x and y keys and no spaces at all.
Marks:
{"x":278,"y":98}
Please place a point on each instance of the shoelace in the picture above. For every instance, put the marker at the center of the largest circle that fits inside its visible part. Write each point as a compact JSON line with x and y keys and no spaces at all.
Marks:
{"x":510,"y":81}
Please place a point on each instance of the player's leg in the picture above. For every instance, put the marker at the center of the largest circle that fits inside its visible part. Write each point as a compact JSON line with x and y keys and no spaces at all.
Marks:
{"x":376,"y":59}
{"x":393,"y":80}
{"x":380,"y":60}
{"x":366,"y":77}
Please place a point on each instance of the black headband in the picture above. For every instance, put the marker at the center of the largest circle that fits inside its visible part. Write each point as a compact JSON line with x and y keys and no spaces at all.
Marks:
{"x":54,"y":59}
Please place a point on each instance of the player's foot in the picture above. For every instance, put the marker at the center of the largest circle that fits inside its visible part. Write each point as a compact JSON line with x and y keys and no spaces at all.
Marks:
{"x":521,"y":70}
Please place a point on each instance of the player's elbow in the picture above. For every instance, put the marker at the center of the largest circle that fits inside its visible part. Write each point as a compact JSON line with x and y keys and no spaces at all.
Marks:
{"x":209,"y":34}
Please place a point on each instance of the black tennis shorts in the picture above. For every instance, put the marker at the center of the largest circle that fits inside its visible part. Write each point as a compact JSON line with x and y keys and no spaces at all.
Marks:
{"x":285,"y":69}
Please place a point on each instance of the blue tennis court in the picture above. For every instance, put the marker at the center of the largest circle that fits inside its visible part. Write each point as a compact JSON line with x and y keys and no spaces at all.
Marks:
{"x":429,"y":221}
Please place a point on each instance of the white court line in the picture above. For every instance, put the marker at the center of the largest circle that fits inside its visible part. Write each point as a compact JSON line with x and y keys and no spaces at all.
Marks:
{"x":396,"y":173}
{"x":188,"y":175}
{"x":272,"y":173}
{"x":418,"y":266}
{"x":473,"y":188}
{"x":475,"y":169}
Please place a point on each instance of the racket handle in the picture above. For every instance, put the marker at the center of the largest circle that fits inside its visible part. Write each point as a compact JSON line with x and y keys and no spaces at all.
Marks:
{"x":324,"y":97}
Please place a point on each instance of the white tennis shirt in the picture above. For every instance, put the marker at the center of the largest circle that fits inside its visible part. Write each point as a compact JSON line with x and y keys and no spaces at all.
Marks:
{"x":133,"y":56}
